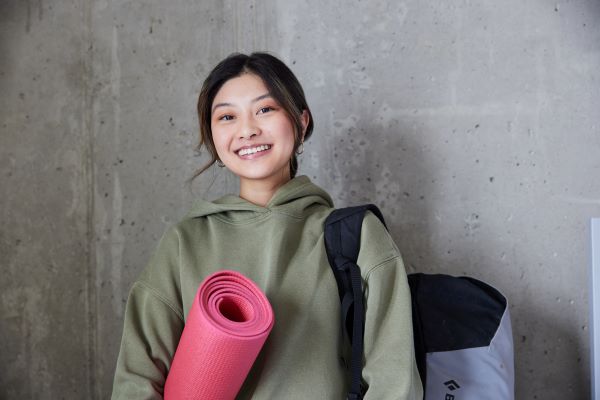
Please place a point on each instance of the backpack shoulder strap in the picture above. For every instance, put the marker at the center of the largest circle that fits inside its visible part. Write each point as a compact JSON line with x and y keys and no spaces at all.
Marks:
{"x":342,"y":238}
{"x":342,"y":243}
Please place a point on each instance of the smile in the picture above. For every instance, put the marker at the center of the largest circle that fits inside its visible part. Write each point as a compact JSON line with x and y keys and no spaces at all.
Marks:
{"x":252,"y":150}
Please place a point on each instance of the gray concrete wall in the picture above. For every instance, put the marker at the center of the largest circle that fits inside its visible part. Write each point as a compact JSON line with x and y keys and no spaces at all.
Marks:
{"x":474,"y":125}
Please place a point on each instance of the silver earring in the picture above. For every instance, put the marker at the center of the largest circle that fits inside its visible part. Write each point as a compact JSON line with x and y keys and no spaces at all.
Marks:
{"x":300,"y":149}
{"x":220,"y":164}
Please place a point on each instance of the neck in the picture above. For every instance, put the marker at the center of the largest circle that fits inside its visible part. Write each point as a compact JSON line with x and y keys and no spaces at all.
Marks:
{"x":260,"y":192}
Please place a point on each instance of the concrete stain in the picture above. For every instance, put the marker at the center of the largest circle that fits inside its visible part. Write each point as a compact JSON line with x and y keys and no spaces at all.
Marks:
{"x":28,"y":17}
{"x":115,"y":84}
{"x":22,"y":306}
{"x":472,"y":224}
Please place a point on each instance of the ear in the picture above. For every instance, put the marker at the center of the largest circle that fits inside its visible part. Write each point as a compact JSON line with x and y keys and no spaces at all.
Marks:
{"x":304,"y":120}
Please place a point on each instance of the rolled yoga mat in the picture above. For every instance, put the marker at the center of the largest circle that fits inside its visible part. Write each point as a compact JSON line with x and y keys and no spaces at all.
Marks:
{"x":226,"y":327}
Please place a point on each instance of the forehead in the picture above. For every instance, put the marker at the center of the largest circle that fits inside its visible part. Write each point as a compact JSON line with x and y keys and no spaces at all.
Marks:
{"x":241,"y":88}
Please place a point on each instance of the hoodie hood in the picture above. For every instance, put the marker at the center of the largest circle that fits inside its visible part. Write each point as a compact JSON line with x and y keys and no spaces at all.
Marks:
{"x":293,"y":198}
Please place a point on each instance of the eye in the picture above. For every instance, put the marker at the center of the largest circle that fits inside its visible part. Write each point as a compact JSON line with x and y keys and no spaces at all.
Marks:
{"x":264,"y":110}
{"x":226,"y":117}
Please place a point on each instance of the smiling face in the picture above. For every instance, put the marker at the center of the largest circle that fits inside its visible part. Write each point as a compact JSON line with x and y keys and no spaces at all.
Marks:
{"x":253,"y":135}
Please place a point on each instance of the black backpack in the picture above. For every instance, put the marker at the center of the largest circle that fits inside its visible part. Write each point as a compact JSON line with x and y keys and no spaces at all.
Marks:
{"x":462,"y":333}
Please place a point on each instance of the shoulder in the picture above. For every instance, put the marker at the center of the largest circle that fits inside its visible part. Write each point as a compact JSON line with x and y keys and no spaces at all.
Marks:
{"x":163,"y":269}
{"x":184,"y":232}
{"x":376,"y":244}
{"x":176,"y":234}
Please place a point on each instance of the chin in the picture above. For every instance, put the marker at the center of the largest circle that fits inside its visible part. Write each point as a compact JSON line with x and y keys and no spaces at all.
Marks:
{"x":265,"y":175}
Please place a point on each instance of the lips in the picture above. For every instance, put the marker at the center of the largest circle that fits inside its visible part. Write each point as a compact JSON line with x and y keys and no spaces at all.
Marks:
{"x":249,"y":150}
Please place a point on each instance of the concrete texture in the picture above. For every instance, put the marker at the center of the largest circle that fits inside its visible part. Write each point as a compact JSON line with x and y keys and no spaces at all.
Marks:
{"x":474,"y":125}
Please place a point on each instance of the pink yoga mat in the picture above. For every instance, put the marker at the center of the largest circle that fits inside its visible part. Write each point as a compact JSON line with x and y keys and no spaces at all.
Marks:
{"x":227,"y":326}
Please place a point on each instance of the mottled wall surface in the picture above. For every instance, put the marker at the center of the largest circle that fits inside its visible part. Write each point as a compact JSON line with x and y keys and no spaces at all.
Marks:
{"x":474,"y":125}
{"x":45,"y":285}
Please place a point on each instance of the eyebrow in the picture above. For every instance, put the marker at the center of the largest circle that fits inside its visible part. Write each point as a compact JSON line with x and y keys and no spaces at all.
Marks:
{"x":259,"y":98}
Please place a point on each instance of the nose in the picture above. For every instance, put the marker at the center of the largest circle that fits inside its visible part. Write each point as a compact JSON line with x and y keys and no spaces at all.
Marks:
{"x":249,"y":129}
{"x":249,"y":132}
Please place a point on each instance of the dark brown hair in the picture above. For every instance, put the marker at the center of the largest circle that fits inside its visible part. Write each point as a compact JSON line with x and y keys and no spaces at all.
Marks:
{"x":279,"y":80}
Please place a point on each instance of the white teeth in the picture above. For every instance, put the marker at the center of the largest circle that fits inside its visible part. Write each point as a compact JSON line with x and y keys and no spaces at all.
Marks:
{"x":253,"y":150}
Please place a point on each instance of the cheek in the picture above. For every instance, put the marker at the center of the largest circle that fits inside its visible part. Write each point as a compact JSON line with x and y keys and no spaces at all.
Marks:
{"x":286,"y":132}
{"x":220,"y":144}
{"x":218,"y":136}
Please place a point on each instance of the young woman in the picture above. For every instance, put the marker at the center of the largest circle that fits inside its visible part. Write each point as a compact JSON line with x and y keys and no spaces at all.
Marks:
{"x":254,"y":120}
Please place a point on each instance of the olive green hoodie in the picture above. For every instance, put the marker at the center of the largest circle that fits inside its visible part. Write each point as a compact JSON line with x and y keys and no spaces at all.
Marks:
{"x":280,"y":247}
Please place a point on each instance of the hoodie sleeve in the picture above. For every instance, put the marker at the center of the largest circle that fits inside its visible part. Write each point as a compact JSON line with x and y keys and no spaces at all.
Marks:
{"x":390,"y":369}
{"x":152,"y":328}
